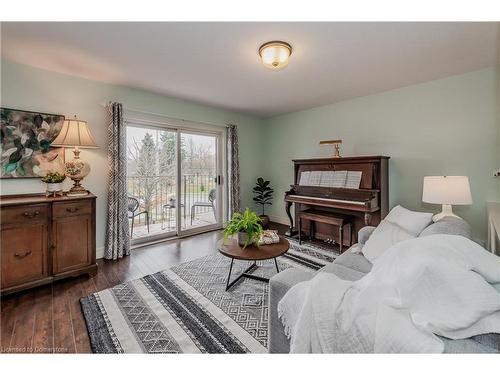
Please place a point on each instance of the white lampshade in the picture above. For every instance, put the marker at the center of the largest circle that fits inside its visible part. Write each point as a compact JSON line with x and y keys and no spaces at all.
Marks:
{"x":74,"y":133}
{"x":447,"y":190}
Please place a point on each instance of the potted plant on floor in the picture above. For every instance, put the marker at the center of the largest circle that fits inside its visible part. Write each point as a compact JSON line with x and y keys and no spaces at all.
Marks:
{"x":246,"y":225}
{"x":263,"y":195}
{"x":54,"y":182}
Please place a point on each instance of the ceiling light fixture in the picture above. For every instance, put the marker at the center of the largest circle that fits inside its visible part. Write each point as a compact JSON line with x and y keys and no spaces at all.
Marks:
{"x":275,"y":54}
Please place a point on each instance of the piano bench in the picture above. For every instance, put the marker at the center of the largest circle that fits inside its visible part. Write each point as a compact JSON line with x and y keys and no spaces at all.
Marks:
{"x":338,"y":220}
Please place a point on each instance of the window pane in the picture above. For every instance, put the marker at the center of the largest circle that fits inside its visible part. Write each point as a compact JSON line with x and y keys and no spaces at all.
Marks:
{"x":198,"y":173}
{"x":151,"y":179}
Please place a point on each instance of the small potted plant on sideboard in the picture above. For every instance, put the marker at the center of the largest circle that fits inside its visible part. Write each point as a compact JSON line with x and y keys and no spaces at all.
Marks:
{"x":246,"y":225}
{"x":54,"y":182}
{"x":263,"y":195}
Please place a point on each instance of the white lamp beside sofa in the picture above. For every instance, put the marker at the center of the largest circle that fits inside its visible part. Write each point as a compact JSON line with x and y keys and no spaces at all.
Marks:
{"x":447,"y":191}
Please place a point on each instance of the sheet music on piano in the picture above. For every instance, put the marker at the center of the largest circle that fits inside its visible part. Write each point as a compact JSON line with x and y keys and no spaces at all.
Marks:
{"x":339,"y":179}
{"x":327,"y":179}
{"x":315,"y":178}
{"x":304,"y":178}
{"x":353,"y":179}
{"x":333,"y":179}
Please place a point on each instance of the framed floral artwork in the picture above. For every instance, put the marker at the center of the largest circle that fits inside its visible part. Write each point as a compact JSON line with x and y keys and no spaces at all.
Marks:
{"x":25,"y":140}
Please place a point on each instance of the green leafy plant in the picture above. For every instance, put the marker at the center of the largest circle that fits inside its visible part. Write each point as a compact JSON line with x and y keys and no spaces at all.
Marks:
{"x":53,"y":178}
{"x":263,"y":193}
{"x":248,"y":222}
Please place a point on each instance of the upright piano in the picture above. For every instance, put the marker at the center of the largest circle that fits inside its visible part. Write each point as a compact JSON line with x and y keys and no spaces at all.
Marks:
{"x":367,"y":202}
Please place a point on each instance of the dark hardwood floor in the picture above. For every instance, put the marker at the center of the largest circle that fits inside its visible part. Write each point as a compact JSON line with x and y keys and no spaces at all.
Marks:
{"x":49,"y":319}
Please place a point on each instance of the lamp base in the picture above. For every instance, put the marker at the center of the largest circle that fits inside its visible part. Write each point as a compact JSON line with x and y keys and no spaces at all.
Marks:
{"x":77,"y":190}
{"x":446,"y":211}
{"x":77,"y":169}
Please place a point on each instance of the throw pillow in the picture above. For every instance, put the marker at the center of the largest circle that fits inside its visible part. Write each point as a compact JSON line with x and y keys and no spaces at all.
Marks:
{"x":413,"y":222}
{"x":448,"y":225}
{"x":382,"y":238}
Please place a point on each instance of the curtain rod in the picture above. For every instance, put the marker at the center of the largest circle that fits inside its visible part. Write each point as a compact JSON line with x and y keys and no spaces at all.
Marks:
{"x":169,"y":117}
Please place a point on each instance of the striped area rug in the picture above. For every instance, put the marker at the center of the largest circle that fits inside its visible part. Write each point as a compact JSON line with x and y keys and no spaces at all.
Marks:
{"x":186,"y":309}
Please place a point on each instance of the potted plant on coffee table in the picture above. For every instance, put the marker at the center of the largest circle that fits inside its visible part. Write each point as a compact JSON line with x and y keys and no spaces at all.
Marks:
{"x":54,"y":182}
{"x":263,"y":196}
{"x":246,"y":225}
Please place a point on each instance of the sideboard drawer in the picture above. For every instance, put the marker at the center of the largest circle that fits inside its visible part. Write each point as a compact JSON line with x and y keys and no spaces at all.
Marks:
{"x":23,"y":254}
{"x":24,"y":214}
{"x":66,"y":209}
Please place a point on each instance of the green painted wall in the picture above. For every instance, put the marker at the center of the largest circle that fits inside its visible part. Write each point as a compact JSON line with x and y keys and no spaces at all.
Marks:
{"x":444,"y":127}
{"x":34,"y":89}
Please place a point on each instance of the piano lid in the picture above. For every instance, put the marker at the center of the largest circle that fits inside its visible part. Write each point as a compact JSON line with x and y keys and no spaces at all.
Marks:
{"x":341,"y":160}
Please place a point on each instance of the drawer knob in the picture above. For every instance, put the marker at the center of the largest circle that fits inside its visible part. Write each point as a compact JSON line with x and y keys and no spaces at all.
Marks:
{"x":72,"y":209}
{"x":31,"y":214}
{"x":23,"y":255}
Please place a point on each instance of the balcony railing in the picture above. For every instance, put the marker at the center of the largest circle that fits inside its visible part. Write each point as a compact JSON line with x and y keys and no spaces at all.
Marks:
{"x":156,"y":192}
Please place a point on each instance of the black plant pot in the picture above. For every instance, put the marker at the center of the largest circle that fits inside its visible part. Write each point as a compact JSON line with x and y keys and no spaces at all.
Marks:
{"x":265,"y":221}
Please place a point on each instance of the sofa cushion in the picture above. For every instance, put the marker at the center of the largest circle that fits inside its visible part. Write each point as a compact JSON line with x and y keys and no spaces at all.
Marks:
{"x":490,"y":340}
{"x":343,"y":272}
{"x":466,"y":346}
{"x":279,"y":284}
{"x":364,"y":234}
{"x":383,"y":237}
{"x":448,"y":225}
{"x":356,"y":262}
{"x":412,"y":221}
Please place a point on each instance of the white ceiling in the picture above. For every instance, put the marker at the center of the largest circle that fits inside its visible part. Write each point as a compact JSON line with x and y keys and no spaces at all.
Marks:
{"x":218,"y":63}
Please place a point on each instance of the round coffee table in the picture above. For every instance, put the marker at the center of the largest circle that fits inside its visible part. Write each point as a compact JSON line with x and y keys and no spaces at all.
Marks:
{"x":231,"y":249}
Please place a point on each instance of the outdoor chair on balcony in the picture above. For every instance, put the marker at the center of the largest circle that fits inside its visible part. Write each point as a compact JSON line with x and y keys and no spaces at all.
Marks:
{"x":210,"y":203}
{"x":172,"y":204}
{"x":133,"y":211}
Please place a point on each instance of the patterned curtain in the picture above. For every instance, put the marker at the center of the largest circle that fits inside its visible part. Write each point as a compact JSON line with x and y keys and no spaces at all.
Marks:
{"x":117,"y":231}
{"x":233,"y":165}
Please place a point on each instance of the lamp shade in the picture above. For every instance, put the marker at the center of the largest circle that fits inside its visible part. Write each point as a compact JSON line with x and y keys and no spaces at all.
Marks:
{"x":447,"y":190}
{"x":75,"y":133}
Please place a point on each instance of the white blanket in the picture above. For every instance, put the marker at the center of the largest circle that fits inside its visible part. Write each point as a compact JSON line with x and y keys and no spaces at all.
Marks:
{"x":419,"y":288}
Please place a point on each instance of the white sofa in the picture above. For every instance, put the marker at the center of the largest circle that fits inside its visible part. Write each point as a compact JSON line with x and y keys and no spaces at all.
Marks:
{"x":353,"y":266}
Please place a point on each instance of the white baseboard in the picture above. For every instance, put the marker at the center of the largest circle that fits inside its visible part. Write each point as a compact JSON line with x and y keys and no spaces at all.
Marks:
{"x":279,"y":219}
{"x":99,"y":252}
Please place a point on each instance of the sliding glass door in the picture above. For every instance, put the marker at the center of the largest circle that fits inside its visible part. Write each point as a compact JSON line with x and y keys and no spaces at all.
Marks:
{"x":174,"y":181}
{"x":200,"y":181}
{"x":151,"y":182}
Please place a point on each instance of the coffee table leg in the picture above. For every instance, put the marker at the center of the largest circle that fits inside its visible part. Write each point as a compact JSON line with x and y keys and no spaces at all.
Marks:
{"x":245,"y":273}
{"x":229,"y":276}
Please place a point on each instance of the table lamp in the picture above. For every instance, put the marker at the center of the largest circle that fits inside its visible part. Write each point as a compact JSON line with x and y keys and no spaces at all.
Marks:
{"x":75,"y":133}
{"x":446,"y":190}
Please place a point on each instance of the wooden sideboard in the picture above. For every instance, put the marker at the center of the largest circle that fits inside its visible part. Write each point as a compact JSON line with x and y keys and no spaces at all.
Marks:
{"x":43,"y":239}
